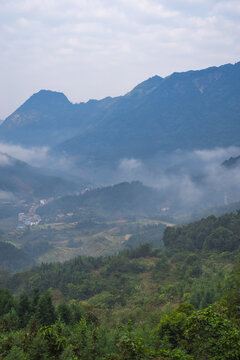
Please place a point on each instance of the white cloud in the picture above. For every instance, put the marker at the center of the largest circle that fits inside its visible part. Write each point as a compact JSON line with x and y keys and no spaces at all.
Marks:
{"x":228,"y":6}
{"x":4,"y":160}
{"x":217,"y":155}
{"x":6,"y":196}
{"x":92,"y":49}
{"x":130,"y":164}
{"x":152,"y":8}
{"x":36,"y":156}
{"x":187,"y":180}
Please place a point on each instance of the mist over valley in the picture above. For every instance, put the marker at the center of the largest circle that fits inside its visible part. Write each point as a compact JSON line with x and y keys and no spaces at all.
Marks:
{"x":172,"y":134}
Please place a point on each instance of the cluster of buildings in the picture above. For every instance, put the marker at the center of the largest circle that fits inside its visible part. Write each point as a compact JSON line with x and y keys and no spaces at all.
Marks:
{"x":60,"y":217}
{"x":28,"y":220}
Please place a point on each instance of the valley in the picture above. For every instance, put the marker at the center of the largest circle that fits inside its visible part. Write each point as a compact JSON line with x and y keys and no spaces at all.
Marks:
{"x":63,"y":238}
{"x":120,"y":223}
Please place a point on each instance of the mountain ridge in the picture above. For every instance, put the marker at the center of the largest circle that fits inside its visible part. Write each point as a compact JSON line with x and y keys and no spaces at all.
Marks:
{"x":186,"y":110}
{"x":168,"y":118}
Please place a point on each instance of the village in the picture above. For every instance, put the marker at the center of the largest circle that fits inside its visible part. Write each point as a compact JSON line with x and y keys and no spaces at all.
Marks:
{"x":30,"y":218}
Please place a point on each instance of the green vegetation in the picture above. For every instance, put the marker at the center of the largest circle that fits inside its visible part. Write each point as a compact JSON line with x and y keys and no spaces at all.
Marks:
{"x":178,"y":302}
{"x":138,"y":314}
{"x":220,"y":234}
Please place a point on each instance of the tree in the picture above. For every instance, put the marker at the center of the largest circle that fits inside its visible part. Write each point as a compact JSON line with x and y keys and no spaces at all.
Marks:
{"x":24,"y":310}
{"x":211,"y":335}
{"x":64,"y":313}
{"x":6,"y":301}
{"x":45,"y":312}
{"x":220,"y":239}
{"x":169,"y":332}
{"x":15,"y":354}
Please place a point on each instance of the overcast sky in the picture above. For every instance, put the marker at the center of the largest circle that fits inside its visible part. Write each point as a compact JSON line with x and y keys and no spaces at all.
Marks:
{"x":97,"y":48}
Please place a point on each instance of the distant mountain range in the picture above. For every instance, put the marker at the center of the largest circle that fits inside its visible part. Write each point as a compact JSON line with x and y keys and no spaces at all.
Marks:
{"x":194,"y":109}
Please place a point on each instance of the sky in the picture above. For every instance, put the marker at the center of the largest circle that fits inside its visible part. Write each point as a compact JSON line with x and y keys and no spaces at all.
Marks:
{"x":97,"y":48}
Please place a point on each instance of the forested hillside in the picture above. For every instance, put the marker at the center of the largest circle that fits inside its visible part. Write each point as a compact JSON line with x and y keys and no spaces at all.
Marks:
{"x":178,"y":302}
{"x":211,"y":233}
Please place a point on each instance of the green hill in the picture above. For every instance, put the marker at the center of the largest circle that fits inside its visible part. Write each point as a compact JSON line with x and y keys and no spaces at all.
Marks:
{"x":117,"y":201}
{"x":13,"y":259}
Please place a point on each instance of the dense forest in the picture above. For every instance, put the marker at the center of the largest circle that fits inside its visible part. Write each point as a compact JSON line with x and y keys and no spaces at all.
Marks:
{"x":211,"y":233}
{"x":176,"y":302}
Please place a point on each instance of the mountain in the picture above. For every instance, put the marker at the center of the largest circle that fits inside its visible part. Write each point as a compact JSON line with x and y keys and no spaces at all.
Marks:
{"x":20,"y":179}
{"x":197,"y":109}
{"x":194,"y":109}
{"x":48,"y":118}
{"x":28,"y":124}
{"x":118,"y":201}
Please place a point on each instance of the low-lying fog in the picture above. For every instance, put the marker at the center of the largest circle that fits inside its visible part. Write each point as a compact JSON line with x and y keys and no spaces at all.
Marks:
{"x":187,"y":180}
{"x":190,"y":180}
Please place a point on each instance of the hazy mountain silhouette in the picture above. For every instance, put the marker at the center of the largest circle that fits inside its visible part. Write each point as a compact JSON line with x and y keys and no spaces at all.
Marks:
{"x":21,"y":179}
{"x":194,"y":109}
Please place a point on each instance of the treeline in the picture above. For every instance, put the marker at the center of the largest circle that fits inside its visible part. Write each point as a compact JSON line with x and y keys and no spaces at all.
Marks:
{"x":211,"y":233}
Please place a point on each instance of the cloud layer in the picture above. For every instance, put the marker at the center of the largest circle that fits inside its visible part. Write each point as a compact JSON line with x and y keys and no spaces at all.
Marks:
{"x":37,"y":156}
{"x":188,"y":181}
{"x":91,"y":49}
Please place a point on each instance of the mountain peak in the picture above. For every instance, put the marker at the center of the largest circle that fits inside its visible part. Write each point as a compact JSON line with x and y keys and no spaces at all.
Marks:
{"x":147,"y":86}
{"x":48,"y":97}
{"x":45,"y":108}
